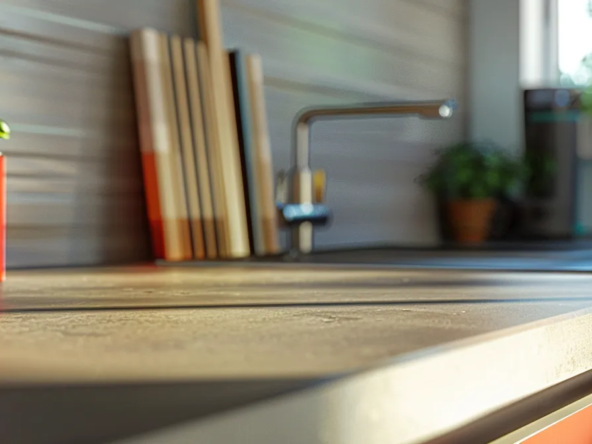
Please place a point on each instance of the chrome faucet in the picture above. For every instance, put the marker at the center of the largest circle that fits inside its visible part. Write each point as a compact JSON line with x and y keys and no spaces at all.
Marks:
{"x":301,"y":201}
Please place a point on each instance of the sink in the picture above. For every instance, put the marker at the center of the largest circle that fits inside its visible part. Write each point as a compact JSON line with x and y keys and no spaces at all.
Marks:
{"x":569,"y":256}
{"x":480,"y":259}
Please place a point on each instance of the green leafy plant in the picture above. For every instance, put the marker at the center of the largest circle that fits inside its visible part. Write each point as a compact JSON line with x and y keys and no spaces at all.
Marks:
{"x":4,"y":130}
{"x":471,"y":170}
{"x":586,"y":100}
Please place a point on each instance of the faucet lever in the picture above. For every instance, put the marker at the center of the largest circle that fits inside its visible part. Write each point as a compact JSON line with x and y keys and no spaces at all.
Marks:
{"x":294,"y":215}
{"x":312,"y":213}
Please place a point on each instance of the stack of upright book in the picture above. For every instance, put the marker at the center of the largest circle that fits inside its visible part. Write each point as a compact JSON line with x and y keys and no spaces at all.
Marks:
{"x":206,"y":154}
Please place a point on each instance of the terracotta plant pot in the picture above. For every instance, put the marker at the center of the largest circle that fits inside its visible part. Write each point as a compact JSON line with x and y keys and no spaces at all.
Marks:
{"x":470,"y":220}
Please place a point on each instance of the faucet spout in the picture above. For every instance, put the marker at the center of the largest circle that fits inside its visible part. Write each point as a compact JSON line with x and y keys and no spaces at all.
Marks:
{"x":435,"y":109}
{"x":301,"y":190}
{"x":427,"y":109}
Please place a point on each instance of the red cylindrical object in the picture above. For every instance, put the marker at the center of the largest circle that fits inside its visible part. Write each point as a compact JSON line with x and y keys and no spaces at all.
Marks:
{"x":2,"y":217}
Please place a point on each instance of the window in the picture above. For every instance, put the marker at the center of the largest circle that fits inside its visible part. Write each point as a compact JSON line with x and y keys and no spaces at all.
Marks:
{"x":574,"y":34}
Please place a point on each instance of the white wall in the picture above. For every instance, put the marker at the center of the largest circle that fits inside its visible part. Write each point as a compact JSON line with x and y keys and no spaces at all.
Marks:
{"x":494,"y":72}
{"x":74,"y":181}
{"x":532,"y":40}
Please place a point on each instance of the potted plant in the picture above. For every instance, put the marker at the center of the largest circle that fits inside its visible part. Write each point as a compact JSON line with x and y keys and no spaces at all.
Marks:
{"x":469,"y":177}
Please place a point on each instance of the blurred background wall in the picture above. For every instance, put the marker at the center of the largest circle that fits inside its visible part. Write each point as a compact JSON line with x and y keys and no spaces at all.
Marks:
{"x":495,"y":67}
{"x":75,"y":192}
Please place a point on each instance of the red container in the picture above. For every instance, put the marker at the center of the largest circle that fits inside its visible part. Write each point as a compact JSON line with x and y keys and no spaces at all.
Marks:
{"x":2,"y":217}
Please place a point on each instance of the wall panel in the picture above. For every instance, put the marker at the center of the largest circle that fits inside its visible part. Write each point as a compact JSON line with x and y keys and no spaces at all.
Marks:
{"x":75,"y":191}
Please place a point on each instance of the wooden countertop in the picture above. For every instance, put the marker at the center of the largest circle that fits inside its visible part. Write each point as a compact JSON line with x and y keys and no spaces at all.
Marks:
{"x":294,"y":324}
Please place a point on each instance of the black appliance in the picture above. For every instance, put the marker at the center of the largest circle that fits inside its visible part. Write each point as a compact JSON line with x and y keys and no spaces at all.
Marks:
{"x":558,"y":147}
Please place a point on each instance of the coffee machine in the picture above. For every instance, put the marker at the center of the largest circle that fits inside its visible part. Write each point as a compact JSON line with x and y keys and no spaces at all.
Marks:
{"x":558,"y":147}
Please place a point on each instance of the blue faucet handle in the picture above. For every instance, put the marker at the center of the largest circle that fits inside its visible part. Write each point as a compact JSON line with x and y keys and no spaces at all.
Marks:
{"x":295,"y":214}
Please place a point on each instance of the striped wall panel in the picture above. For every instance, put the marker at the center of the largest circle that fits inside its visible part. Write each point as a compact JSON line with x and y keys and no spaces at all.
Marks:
{"x":75,"y":195}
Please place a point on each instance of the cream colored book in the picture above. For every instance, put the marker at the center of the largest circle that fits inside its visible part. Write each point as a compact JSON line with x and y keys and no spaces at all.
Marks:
{"x":211,"y":33}
{"x":176,"y":159}
{"x":155,"y":145}
{"x":188,"y":153}
{"x":261,"y":160}
{"x":213,"y":151}
{"x":199,"y":145}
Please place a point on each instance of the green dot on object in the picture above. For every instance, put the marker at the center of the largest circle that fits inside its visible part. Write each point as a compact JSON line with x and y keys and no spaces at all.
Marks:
{"x":4,"y":130}
{"x":580,"y":229}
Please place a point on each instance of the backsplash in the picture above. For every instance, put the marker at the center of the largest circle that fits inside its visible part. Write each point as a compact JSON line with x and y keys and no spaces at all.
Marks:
{"x":75,"y":192}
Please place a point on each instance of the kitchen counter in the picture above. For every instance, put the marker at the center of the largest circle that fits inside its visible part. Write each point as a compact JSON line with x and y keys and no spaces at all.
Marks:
{"x":337,"y":353}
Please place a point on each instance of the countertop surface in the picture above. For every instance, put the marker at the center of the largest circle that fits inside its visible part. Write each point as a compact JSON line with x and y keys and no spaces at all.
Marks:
{"x":222,"y":337}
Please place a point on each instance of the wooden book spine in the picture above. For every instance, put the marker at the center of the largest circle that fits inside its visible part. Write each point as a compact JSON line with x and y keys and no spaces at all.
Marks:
{"x":199,"y":144}
{"x":261,"y":157}
{"x":155,"y":144}
{"x":187,"y":149}
{"x":209,"y":13}
{"x":176,"y":160}
{"x":213,"y":150}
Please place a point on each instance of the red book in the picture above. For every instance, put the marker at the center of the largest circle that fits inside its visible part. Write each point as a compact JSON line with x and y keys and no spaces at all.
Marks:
{"x":165,"y":193}
{"x":2,"y":218}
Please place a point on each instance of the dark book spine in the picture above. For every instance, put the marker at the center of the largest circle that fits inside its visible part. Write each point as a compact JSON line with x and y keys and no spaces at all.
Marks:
{"x":242,"y":116}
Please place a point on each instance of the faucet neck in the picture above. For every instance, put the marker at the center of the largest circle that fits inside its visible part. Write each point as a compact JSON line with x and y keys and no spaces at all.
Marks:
{"x":428,"y":110}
